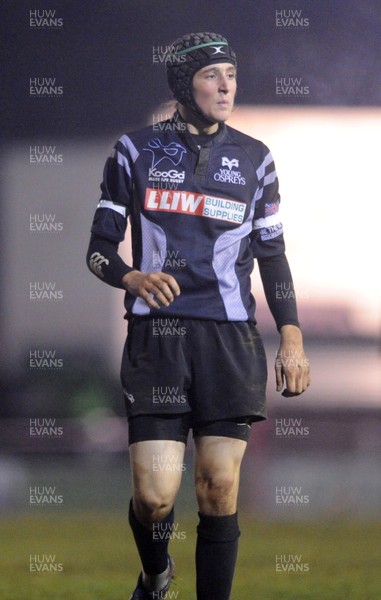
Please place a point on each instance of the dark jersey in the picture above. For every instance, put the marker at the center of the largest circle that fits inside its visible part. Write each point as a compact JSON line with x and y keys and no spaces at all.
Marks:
{"x":201,"y":213}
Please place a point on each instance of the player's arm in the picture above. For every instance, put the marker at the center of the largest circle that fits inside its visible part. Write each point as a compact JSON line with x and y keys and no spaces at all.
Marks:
{"x":110,"y":220}
{"x":104,"y":261}
{"x":157,"y":288}
{"x":291,"y":364}
{"x":108,"y":230}
{"x":267,"y":244}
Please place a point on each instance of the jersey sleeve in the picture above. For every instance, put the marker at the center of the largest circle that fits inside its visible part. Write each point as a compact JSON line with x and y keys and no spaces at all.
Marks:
{"x":279,"y":289}
{"x":267,"y":235}
{"x":268,"y":247}
{"x":110,"y":219}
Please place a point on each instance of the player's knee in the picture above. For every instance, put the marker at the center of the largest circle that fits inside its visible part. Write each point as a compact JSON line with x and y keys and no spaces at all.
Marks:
{"x":151,"y":508}
{"x":216,"y":487}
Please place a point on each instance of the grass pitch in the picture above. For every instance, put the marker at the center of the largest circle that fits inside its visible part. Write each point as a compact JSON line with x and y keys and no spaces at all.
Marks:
{"x":340,"y":560}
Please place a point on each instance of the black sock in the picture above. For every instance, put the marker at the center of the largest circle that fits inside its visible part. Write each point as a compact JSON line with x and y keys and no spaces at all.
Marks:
{"x":216,"y":555}
{"x":152,"y":545}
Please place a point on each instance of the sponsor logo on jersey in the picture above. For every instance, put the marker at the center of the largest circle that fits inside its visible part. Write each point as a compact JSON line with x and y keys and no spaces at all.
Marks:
{"x":268,"y":233}
{"x":191,"y":203}
{"x":95,"y":263}
{"x":227,"y":175}
{"x":271,"y":208}
{"x":234,"y":162}
{"x":128,"y":396}
{"x":170,"y":175}
{"x":167,"y":157}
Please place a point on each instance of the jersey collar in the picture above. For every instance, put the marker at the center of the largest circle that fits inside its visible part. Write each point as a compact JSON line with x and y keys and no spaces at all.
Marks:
{"x":188,"y":138}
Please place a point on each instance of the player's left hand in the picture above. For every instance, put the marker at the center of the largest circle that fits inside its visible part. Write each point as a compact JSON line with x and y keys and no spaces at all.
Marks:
{"x":292,"y":367}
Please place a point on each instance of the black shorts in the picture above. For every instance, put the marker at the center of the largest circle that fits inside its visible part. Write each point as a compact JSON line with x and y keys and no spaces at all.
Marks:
{"x":216,"y":371}
{"x":176,"y":428}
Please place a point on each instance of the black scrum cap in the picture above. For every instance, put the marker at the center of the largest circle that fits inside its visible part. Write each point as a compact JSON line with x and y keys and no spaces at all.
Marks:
{"x":190,"y":53}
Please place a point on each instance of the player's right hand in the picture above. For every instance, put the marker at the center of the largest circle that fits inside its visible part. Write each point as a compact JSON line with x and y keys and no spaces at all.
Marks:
{"x":157,"y":289}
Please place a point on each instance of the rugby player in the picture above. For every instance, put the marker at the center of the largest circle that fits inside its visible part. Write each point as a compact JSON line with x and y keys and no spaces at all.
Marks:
{"x":202,"y":201}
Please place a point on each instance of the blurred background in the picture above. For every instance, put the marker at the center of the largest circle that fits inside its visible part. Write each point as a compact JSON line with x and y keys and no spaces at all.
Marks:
{"x":309,"y":87}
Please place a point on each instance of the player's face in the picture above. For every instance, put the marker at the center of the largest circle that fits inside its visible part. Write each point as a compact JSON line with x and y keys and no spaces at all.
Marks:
{"x":214,"y":89}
